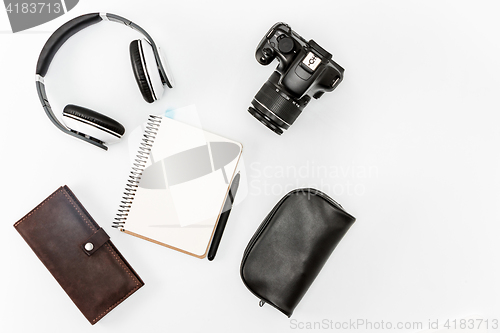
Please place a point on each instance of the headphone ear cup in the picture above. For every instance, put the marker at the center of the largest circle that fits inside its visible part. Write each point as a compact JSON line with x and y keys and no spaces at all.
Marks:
{"x":145,"y":70}
{"x":92,"y":123}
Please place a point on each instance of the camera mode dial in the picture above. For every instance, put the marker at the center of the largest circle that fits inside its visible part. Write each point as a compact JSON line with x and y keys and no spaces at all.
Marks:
{"x":285,"y":44}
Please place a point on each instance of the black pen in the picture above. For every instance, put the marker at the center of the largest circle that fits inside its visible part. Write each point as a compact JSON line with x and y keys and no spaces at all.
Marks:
{"x":219,"y":230}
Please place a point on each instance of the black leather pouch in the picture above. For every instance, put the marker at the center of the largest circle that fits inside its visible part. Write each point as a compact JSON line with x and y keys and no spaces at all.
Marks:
{"x":291,"y":246}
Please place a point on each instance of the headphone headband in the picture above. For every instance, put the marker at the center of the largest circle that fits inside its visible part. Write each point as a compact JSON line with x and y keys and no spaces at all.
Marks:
{"x":68,"y":29}
{"x":59,"y":37}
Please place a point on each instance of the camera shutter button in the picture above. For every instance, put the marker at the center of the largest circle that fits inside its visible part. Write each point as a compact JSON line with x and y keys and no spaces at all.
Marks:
{"x":267,"y":52}
{"x":285,"y":44}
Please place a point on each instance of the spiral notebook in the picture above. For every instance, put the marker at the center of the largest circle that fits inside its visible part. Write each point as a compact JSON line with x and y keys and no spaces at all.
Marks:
{"x":177,"y":186}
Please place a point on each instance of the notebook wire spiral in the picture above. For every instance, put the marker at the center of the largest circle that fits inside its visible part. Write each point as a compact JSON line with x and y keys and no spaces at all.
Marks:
{"x":138,"y":166}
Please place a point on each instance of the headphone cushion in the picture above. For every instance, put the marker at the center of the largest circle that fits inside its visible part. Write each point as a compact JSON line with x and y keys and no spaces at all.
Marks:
{"x":95,"y":118}
{"x":139,"y":72}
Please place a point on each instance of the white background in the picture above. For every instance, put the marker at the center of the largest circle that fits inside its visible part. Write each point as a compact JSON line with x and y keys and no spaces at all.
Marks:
{"x":410,"y":140}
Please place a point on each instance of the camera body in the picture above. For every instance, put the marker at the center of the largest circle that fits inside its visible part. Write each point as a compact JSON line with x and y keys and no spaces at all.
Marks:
{"x":305,"y":70}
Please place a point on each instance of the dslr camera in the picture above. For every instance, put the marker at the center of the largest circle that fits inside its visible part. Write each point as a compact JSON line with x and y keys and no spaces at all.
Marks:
{"x":305,"y":70}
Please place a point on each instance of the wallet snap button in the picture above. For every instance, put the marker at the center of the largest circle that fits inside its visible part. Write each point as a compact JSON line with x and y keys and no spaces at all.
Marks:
{"x":89,"y":246}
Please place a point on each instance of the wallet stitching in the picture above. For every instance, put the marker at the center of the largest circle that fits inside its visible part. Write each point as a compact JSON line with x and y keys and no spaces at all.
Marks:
{"x":118,"y":302}
{"x":114,"y":305}
{"x":121,"y":264}
{"x":38,"y":207}
{"x":79,"y":211}
{"x":125,"y":268}
{"x":137,"y":284}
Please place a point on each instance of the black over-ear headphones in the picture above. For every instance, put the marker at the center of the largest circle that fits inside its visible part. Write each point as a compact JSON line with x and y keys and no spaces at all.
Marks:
{"x":149,"y":69}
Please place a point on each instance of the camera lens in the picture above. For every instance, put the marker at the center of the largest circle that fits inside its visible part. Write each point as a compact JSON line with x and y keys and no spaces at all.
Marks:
{"x":274,"y":107}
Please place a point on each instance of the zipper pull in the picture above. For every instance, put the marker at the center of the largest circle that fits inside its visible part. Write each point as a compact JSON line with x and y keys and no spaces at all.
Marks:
{"x":261,"y":303}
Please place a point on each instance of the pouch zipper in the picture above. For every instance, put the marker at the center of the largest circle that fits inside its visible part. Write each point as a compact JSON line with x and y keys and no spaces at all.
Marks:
{"x":264,"y":223}
{"x":262,"y":226}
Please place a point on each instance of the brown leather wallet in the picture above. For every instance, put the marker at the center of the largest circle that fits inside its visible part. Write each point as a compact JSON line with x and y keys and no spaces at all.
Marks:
{"x":79,"y":254}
